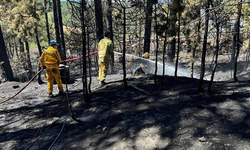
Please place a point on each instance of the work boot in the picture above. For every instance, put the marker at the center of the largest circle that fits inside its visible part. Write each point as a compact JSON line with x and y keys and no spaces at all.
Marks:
{"x":50,"y":95}
{"x":102,"y":83}
{"x":61,"y":93}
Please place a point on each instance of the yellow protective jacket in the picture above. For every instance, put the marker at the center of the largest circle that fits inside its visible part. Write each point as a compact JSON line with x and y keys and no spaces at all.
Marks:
{"x":50,"y":56}
{"x":105,"y":48}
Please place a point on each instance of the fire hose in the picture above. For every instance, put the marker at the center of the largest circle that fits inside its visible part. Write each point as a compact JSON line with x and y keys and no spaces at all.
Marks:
{"x":43,"y":133}
{"x":79,"y":57}
{"x":22,"y":88}
{"x":3,"y":101}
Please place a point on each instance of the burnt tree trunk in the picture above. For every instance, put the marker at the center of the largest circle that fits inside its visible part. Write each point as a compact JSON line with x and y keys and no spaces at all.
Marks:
{"x":4,"y":57}
{"x":98,"y":17}
{"x":164,"y":52}
{"x":234,"y":44}
{"x":110,"y":28}
{"x":148,"y":23}
{"x":29,"y":67}
{"x":84,"y":77}
{"x":57,"y":28}
{"x":203,"y":60}
{"x":140,"y":35}
{"x":124,"y":49}
{"x":62,"y":42}
{"x":163,"y":59}
{"x":178,"y":48}
{"x":37,"y":41}
{"x":216,"y":54}
{"x":89,"y":61}
{"x":172,"y":49}
{"x":195,"y":47}
{"x":238,"y":41}
{"x":46,"y":20}
{"x":157,"y":45}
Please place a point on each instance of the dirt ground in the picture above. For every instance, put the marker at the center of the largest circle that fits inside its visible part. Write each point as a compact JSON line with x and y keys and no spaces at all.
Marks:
{"x":176,"y":117}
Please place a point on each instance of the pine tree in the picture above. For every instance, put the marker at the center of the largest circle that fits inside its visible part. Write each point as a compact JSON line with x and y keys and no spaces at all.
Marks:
{"x":4,"y":57}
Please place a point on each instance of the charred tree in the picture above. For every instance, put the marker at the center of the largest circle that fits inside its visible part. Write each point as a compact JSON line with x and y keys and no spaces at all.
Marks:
{"x":238,"y":41}
{"x":46,"y":20}
{"x":57,"y":28}
{"x":178,"y":47}
{"x":195,"y":47}
{"x":124,"y":49}
{"x":98,"y":17}
{"x":37,"y":40}
{"x":84,"y":76}
{"x":62,"y":41}
{"x":29,"y":67}
{"x":172,"y":33}
{"x":157,"y":45}
{"x":216,"y":54}
{"x":4,"y":57}
{"x":234,"y":44}
{"x":163,"y":59}
{"x":164,"y":51}
{"x":148,"y":23}
{"x":110,"y":28}
{"x":203,"y":61}
{"x":89,"y":61}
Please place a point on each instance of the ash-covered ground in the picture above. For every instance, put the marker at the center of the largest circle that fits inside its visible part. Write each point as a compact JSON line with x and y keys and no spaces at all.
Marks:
{"x":175,"y":117}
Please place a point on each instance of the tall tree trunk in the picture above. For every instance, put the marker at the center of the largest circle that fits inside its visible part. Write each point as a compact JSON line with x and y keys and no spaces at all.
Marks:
{"x":63,"y":48}
{"x":84,"y":77}
{"x":164,"y":52}
{"x":140,"y":28}
{"x":110,"y":28}
{"x":163,"y":59}
{"x":37,"y":42}
{"x":4,"y":57}
{"x":234,"y":44}
{"x":28,"y":59}
{"x":46,"y":20}
{"x":36,"y":30}
{"x":171,"y":51}
{"x":178,"y":48}
{"x":194,"y":50}
{"x":157,"y":45}
{"x":238,"y":41}
{"x":148,"y":22}
{"x":203,"y":61}
{"x":57,"y":28}
{"x":124,"y":48}
{"x":89,"y":61}
{"x":98,"y":17}
{"x":216,"y":55}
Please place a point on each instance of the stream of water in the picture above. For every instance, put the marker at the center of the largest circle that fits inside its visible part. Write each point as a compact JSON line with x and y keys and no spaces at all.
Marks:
{"x":149,"y":66}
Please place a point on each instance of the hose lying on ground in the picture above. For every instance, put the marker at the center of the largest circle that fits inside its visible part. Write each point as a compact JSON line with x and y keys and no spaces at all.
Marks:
{"x":3,"y":101}
{"x":141,"y":90}
{"x":42,"y":134}
{"x":64,"y":117}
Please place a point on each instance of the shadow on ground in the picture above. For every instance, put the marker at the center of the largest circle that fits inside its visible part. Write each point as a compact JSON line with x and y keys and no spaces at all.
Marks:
{"x":176,"y":117}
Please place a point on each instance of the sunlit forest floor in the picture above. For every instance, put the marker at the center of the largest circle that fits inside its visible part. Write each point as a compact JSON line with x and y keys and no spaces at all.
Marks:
{"x":176,"y":117}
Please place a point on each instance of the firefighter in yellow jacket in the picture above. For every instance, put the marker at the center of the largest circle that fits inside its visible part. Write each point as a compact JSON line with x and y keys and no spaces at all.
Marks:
{"x":105,"y":48}
{"x":50,"y":60}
